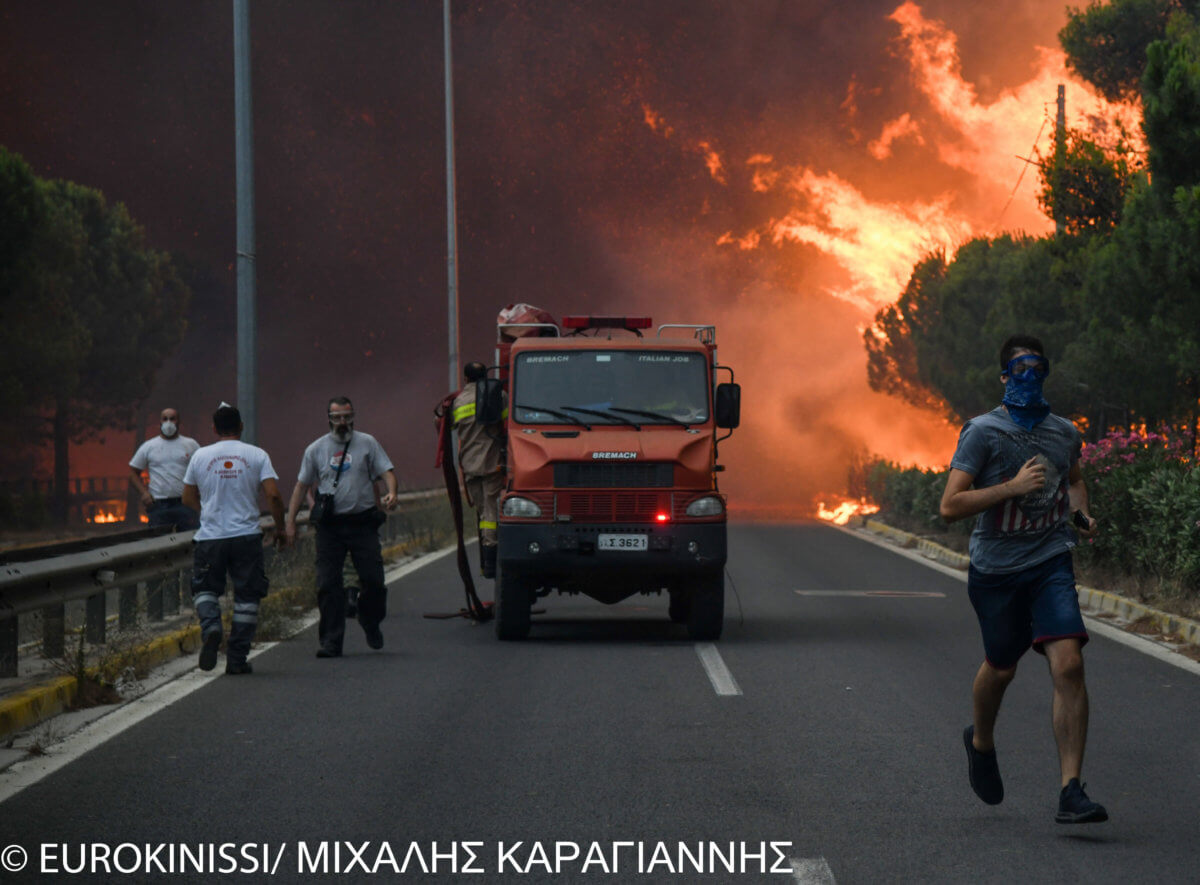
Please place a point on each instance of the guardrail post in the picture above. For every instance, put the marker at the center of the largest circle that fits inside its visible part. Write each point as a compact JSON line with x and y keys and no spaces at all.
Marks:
{"x":96,"y":617}
{"x":170,"y":592}
{"x":54,"y":628}
{"x":128,"y":605}
{"x":8,"y":646}
{"x":154,"y":598}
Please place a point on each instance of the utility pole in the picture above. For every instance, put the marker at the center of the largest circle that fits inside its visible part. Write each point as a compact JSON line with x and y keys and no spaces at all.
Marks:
{"x":1060,"y":147}
{"x":451,"y":212}
{"x":247,"y":331}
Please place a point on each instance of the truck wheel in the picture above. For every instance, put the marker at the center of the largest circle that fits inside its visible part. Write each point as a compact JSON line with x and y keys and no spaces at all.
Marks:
{"x":707,"y":611}
{"x":679,"y":606}
{"x":513,"y":601}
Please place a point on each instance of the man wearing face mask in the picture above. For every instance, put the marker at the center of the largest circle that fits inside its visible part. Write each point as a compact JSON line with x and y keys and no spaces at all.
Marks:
{"x":1017,"y":468}
{"x":343,"y":466}
{"x":165,"y":459}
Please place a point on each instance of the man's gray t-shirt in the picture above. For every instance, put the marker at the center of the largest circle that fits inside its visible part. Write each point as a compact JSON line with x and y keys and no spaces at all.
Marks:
{"x":365,"y":462}
{"x":1019,"y":532}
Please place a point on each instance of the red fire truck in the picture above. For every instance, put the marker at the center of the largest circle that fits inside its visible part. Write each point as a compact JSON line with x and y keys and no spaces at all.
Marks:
{"x":612,"y":467}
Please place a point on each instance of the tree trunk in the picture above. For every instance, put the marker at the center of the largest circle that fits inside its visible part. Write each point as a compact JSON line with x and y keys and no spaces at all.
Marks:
{"x":62,"y":467}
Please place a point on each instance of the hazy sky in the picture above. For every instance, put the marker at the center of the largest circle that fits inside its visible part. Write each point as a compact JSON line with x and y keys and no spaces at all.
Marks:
{"x":773,"y":166}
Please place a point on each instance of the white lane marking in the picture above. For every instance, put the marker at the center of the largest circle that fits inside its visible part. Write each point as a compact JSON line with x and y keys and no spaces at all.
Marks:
{"x":1095,"y":625}
{"x":29,"y":771}
{"x":811,"y":871}
{"x":1141,"y":643}
{"x":888,"y":594}
{"x":400,"y":571}
{"x":722,"y":680}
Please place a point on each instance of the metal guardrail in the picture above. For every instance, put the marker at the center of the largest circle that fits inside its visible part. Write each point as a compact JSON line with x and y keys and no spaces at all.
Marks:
{"x":47,"y":584}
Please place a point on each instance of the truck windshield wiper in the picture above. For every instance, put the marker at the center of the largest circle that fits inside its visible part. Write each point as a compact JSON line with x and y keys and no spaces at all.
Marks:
{"x":645,"y":414}
{"x":556,"y":414}
{"x":600,"y":414}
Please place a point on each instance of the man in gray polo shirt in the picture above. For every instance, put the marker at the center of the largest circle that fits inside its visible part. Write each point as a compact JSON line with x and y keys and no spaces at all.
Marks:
{"x":343,"y":466}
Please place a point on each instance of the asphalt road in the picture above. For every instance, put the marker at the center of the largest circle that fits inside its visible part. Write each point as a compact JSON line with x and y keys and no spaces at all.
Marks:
{"x":838,"y":735}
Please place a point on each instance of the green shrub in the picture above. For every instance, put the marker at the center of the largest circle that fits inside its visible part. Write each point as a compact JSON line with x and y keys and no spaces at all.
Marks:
{"x":911,"y":495}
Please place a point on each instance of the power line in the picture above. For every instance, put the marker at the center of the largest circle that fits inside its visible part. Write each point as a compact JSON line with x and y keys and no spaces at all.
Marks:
{"x":1025,"y":165}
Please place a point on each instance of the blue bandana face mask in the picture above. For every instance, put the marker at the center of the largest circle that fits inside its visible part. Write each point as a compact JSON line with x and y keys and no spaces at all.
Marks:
{"x":1023,"y":390}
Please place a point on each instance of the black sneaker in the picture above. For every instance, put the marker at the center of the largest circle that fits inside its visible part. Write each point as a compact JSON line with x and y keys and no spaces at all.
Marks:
{"x":326,"y":652}
{"x":983,"y":770}
{"x":374,"y":636}
{"x":208,"y":649}
{"x":237,"y":668}
{"x":1074,"y":806}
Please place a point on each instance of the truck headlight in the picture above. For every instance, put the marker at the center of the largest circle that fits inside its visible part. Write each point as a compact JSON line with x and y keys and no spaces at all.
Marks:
{"x":522,"y":508}
{"x":707,"y":506}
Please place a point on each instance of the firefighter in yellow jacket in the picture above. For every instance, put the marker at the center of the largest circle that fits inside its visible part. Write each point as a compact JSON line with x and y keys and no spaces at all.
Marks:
{"x":480,"y":456}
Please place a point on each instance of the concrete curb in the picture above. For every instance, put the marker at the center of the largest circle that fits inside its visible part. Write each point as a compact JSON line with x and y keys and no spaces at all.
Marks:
{"x":1089,"y":598}
{"x":928,"y":548}
{"x":38,"y":703}
{"x":31,"y":706}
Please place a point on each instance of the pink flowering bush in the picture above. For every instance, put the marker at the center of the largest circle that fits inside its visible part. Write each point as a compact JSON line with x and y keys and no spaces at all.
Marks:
{"x":1145,"y":493}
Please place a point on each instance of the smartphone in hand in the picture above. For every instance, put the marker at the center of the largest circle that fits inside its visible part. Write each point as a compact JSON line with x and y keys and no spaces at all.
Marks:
{"x":1080,"y":520}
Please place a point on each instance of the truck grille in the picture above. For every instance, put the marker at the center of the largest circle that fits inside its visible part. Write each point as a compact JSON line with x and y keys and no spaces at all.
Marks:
{"x":610,"y":475}
{"x":613,"y":506}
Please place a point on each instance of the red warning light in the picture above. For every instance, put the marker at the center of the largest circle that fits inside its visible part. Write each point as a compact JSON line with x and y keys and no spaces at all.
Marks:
{"x":662,"y":517}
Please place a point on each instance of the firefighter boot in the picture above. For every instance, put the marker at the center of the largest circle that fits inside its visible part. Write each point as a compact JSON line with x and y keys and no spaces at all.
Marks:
{"x":487,"y":560}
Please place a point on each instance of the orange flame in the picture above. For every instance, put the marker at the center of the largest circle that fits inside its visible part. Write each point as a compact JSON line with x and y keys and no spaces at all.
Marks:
{"x":844,"y":512}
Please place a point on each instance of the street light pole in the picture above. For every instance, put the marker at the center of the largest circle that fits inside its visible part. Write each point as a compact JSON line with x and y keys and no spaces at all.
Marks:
{"x":451,"y":212}
{"x":247,"y":332}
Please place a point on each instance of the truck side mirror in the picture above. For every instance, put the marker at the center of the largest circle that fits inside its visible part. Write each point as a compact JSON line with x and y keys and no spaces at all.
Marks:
{"x":727,"y":406}
{"x":489,"y":401}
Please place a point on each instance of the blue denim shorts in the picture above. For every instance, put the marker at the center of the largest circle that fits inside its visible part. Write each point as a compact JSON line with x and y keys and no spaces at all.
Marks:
{"x":1026,"y":609}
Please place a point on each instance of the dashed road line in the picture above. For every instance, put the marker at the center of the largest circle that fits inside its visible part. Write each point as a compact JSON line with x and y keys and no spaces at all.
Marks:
{"x":722,"y":680}
{"x":888,"y":594}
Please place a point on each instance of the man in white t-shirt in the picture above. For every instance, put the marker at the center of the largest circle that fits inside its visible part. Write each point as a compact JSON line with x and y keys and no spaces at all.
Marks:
{"x":222,"y":482}
{"x":165,"y":459}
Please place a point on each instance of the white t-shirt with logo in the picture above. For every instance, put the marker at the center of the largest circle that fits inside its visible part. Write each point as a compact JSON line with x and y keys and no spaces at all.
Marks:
{"x":228,"y":475}
{"x":165,"y":460}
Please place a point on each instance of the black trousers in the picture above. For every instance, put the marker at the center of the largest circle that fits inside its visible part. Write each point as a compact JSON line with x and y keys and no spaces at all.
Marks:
{"x":241,"y":559}
{"x":170,"y":511}
{"x":359,"y":538}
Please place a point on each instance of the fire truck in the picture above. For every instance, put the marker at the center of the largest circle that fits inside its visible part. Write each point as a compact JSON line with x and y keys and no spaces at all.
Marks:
{"x":612,"y":442}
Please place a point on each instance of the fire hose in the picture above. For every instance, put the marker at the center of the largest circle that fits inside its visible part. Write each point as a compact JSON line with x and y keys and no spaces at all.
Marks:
{"x":475,"y":610}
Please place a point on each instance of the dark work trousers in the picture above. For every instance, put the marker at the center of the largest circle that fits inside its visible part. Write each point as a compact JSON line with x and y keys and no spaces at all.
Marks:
{"x":357,"y":535}
{"x":170,"y":511}
{"x":240,"y":558}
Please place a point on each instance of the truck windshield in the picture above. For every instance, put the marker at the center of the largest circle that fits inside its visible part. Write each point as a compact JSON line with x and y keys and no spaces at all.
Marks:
{"x":660,"y":387}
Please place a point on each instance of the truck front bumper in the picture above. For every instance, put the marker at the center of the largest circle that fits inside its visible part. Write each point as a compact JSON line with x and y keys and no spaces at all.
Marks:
{"x":570,"y":549}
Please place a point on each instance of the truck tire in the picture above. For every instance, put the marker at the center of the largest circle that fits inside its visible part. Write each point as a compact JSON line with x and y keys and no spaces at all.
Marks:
{"x":513,"y":602}
{"x":706,"y":614}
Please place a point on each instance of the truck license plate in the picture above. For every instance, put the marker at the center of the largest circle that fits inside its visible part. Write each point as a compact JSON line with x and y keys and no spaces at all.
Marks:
{"x":621,"y":542}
